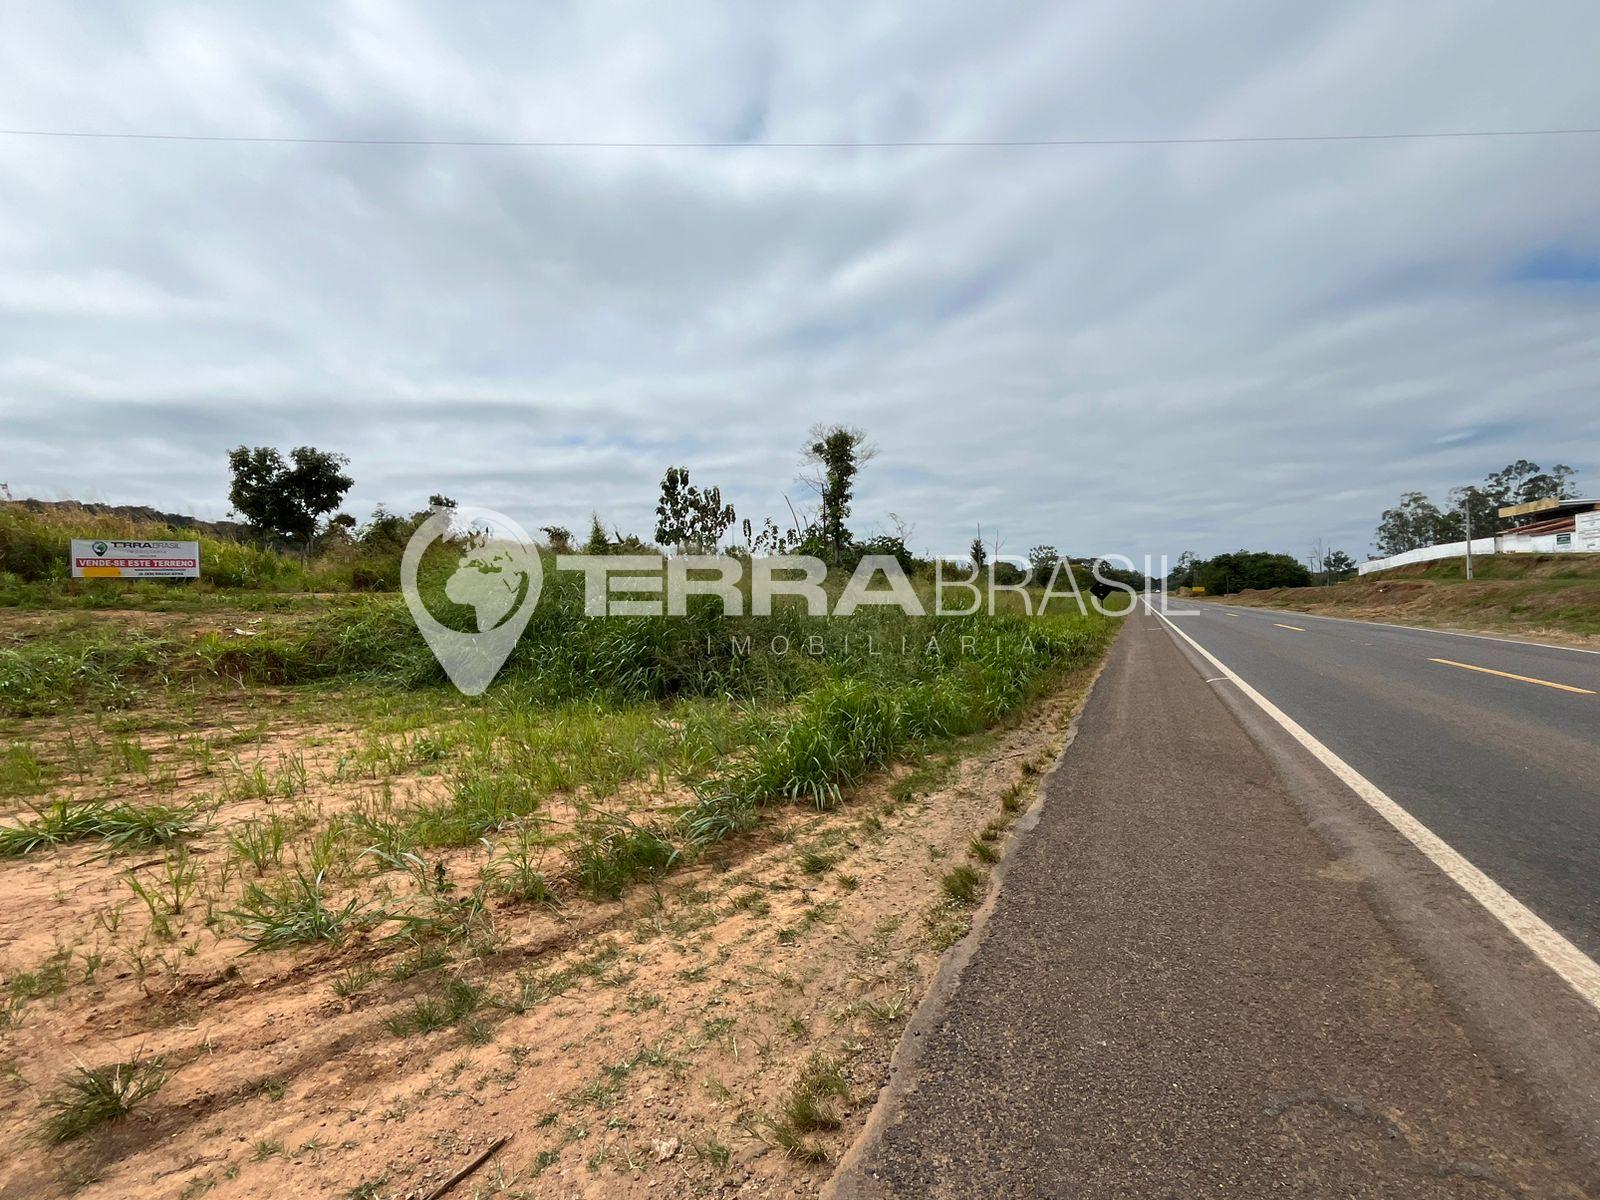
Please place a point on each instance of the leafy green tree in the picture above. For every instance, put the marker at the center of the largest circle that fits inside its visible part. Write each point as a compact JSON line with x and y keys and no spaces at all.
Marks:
{"x":1413,"y":523}
{"x":833,"y":456}
{"x":558,"y":538}
{"x":687,"y":517}
{"x":1042,"y":561}
{"x":978,"y":553}
{"x":1336,"y":564}
{"x":1483,"y":508}
{"x":1244,"y":569}
{"x":285,"y":499}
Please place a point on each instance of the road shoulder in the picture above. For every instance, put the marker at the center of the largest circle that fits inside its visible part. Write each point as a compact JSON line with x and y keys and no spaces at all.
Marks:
{"x":1182,"y":989}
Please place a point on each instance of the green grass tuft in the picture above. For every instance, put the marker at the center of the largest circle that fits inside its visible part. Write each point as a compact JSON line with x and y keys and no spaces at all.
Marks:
{"x":89,"y":1097}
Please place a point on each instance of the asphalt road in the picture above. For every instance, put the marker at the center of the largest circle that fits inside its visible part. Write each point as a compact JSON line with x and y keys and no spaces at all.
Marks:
{"x":1505,"y":770}
{"x":1190,"y":982}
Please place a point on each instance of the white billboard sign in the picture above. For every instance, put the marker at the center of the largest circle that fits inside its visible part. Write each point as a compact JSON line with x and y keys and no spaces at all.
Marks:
{"x":103,"y":558}
{"x":1586,"y":532}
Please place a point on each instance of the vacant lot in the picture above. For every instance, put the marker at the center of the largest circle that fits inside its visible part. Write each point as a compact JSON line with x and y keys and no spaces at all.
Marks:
{"x":282,"y":913}
{"x":1550,"y":596}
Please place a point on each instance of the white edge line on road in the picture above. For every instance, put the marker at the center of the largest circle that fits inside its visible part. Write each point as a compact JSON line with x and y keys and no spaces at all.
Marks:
{"x":1482,"y":637}
{"x":1575,"y":967}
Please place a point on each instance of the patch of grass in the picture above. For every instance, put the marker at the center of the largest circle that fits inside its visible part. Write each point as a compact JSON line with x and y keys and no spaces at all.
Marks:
{"x":816,"y":862}
{"x":946,"y":925}
{"x":122,"y":827}
{"x":711,"y":1151}
{"x":89,"y":1097}
{"x":430,"y":1014}
{"x":353,"y":981}
{"x":611,"y":853}
{"x":812,"y":1104}
{"x":62,"y":822}
{"x":22,"y":772}
{"x":892,"y":1008}
{"x":295,"y":913}
{"x":963,"y":884}
{"x":752,"y":902}
{"x":260,"y":843}
{"x":516,"y":872}
{"x":983,"y":851}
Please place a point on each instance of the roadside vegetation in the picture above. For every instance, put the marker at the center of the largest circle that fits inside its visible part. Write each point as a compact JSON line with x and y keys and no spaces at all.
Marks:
{"x":257,"y":852}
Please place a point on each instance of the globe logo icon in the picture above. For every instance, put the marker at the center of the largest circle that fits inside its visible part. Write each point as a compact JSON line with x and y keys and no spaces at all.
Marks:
{"x":497,"y":575}
{"x":490,"y":580}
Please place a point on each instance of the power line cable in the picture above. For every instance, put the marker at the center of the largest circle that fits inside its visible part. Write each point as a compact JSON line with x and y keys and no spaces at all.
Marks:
{"x":973,"y":144}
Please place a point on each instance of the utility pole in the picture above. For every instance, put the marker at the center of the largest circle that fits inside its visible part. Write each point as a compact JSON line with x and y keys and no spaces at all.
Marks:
{"x":1466,"y":506}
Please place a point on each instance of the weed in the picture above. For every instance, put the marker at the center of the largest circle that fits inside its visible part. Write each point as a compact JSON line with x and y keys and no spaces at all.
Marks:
{"x":712,"y":1151}
{"x":293,"y":914}
{"x":983,"y":851}
{"x":887,"y":1010}
{"x":432,"y":1013}
{"x":120,"y":826}
{"x":517,"y":873}
{"x":260,"y":843}
{"x":612,"y":852}
{"x":815,"y":862}
{"x":89,"y":1097}
{"x":962,"y":884}
{"x":167,"y":894}
{"x":352,"y":981}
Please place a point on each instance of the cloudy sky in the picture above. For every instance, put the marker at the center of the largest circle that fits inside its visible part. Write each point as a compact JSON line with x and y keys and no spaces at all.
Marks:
{"x":1107,"y":348}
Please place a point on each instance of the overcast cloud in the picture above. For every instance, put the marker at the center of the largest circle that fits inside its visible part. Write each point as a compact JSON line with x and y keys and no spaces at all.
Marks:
{"x":1134,"y":349}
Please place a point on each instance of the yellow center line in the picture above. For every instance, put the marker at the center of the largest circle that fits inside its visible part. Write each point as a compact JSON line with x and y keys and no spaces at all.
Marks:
{"x":1565,"y":687}
{"x":1281,"y":625}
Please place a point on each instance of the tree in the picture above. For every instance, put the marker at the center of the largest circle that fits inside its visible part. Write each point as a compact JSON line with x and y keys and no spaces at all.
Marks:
{"x":978,"y":554}
{"x":833,"y":455}
{"x":688,"y":518}
{"x":1336,"y":564}
{"x":1524,"y":482}
{"x":1250,"y":569}
{"x":598,"y":543}
{"x":1042,"y":561}
{"x":1478,"y":503}
{"x":1184,"y":572}
{"x":285,"y":499}
{"x":1413,"y":523}
{"x":440,"y":501}
{"x":558,"y":538}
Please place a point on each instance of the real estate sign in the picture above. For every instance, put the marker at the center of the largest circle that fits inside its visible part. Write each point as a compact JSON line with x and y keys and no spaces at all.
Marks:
{"x":102,"y":558}
{"x":1587,"y":528}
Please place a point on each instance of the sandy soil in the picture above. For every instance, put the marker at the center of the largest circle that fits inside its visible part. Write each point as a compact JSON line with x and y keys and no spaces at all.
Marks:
{"x":632,"y":1049}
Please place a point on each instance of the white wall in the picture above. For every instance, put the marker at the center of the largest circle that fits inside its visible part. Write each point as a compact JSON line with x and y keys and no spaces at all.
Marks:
{"x":1506,"y":543}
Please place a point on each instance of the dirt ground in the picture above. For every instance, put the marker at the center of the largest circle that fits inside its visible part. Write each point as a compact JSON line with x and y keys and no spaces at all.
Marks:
{"x":721,"y":1032}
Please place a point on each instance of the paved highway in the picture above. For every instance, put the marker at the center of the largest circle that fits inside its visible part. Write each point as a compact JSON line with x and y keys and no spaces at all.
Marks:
{"x":1493,"y":745}
{"x":1210,"y":971}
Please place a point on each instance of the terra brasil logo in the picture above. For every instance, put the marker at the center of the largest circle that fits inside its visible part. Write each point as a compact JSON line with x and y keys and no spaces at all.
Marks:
{"x":497,"y":574}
